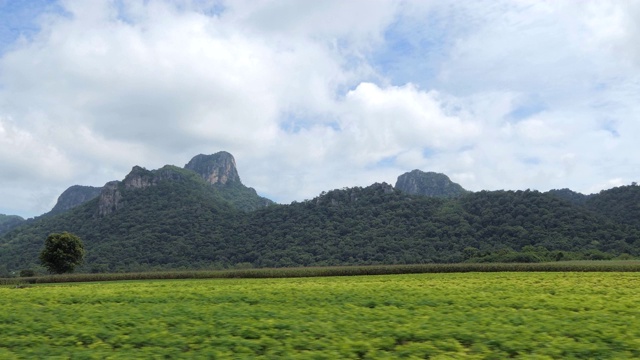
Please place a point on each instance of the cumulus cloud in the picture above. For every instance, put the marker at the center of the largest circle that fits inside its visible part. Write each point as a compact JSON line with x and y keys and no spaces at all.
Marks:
{"x":316,"y":96}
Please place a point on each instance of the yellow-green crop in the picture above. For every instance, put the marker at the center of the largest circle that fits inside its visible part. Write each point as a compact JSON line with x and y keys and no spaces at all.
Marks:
{"x":439,"y":316}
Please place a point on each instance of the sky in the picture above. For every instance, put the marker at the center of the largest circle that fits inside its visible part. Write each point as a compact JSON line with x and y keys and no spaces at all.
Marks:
{"x":311,"y":96}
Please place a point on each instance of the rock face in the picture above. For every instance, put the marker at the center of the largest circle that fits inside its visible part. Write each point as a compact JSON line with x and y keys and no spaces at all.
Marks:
{"x":110,"y":197}
{"x":431,"y":184}
{"x":216,"y":169}
{"x":139,"y":178}
{"x":74,"y":196}
{"x":219,"y":170}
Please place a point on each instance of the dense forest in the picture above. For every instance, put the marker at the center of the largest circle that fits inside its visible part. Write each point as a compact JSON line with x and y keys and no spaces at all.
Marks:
{"x":180,"y":223}
{"x":8,"y":222}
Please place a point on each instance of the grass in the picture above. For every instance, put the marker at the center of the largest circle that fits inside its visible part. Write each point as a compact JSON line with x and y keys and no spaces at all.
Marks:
{"x":563,"y":266}
{"x":472,"y":315}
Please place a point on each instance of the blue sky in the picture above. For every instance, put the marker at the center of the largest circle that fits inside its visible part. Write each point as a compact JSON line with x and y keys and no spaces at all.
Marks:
{"x":312,"y":96}
{"x":20,"y":19}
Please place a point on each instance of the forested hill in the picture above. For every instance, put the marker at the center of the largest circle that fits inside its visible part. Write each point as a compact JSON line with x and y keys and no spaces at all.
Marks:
{"x":171,"y":218}
{"x":8,"y":222}
{"x":160,"y":218}
{"x":620,"y":203}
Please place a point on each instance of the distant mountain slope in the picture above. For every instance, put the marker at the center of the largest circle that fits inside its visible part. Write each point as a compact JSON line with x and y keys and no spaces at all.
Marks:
{"x":8,"y":222}
{"x":621,"y":204}
{"x":74,"y":196}
{"x":197,"y":217}
{"x":180,"y":223}
{"x":532,"y":218}
{"x":220,"y":171}
{"x":570,"y":196}
{"x":431,"y":184}
{"x":378,"y":224}
{"x":143,"y":220}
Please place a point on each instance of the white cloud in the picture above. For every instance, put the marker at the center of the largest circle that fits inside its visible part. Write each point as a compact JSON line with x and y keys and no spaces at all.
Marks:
{"x":25,"y":159}
{"x":322,"y":95}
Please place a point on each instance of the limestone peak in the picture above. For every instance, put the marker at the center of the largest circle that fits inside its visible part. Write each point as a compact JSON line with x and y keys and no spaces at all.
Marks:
{"x":219,"y":168}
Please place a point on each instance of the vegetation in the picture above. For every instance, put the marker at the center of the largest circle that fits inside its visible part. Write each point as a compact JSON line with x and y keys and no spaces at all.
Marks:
{"x":203,"y":217}
{"x":182,"y":224}
{"x":620,"y":203}
{"x":8,"y":222}
{"x":264,"y":273}
{"x":72,"y":197}
{"x":61,"y":253}
{"x":430,"y":184}
{"x":472,"y":316}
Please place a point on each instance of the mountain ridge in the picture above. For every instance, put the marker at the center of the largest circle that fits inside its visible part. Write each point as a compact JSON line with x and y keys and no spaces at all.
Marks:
{"x":202,"y":216}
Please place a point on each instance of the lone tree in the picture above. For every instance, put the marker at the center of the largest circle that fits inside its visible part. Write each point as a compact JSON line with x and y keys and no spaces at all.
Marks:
{"x":62,"y":253}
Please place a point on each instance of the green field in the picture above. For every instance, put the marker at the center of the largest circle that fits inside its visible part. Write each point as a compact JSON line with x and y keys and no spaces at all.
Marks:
{"x":439,"y":316}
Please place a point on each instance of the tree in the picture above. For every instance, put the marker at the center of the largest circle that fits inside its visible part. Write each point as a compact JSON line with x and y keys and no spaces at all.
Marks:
{"x":62,"y":253}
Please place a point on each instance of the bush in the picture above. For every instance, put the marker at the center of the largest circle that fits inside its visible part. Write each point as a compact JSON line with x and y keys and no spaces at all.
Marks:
{"x":27,"y":273}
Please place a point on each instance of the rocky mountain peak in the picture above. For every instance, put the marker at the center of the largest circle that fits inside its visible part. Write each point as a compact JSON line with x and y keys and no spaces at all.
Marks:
{"x":110,"y":197}
{"x":219,"y":168}
{"x":431,"y":184}
{"x":74,"y":196}
{"x":139,"y":178}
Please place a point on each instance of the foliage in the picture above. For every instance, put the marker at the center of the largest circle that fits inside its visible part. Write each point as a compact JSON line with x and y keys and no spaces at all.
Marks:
{"x":27,"y":273}
{"x":472,"y":316}
{"x":620,"y":203}
{"x":8,"y":222}
{"x":62,"y":253}
{"x":570,"y":196}
{"x":182,"y":222}
{"x":264,"y":273}
{"x":241,"y":197}
{"x":72,"y":197}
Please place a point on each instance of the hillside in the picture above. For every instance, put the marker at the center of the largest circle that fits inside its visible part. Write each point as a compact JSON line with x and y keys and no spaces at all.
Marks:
{"x":570,"y":196}
{"x":8,"y":222}
{"x":380,"y":225}
{"x":374,"y":225}
{"x":202,"y":216}
{"x":219,"y":170}
{"x":74,"y":196}
{"x":432,"y":184}
{"x":144,"y":219}
{"x":620,"y":203}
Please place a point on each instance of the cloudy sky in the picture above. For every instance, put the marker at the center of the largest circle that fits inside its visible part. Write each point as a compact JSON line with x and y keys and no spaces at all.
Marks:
{"x":317,"y":95}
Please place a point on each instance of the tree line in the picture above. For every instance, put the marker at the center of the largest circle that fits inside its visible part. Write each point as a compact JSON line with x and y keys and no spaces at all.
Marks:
{"x":185,"y":225}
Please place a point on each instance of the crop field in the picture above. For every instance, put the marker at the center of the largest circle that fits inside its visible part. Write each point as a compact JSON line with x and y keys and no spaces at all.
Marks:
{"x":578,"y":315}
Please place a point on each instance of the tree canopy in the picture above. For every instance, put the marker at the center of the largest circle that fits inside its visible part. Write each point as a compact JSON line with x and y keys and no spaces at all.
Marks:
{"x":185,"y":223}
{"x":62,"y":253}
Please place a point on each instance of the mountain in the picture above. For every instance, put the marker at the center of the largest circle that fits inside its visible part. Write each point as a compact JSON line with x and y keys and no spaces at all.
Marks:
{"x":570,"y":195}
{"x":219,"y":170}
{"x":431,"y":184}
{"x":620,"y":203}
{"x":202,"y":216}
{"x":143,"y":220}
{"x":8,"y":222}
{"x":74,"y":196}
